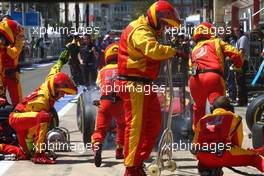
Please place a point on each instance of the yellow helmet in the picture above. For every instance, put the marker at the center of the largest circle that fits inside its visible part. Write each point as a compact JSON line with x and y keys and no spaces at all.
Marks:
{"x":111,"y":52}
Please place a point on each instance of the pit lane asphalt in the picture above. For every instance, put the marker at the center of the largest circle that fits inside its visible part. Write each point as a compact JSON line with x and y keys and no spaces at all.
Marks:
{"x":79,"y":162}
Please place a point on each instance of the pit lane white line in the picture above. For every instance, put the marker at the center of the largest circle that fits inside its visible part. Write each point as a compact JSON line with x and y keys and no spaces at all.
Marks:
{"x":68,"y":106}
{"x":65,"y":109}
{"x":5,"y":165}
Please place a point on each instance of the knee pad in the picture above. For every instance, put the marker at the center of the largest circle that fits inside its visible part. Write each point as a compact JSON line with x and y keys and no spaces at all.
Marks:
{"x":43,"y":117}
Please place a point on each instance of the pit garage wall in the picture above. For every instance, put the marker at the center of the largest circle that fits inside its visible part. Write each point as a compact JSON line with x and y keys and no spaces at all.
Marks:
{"x":219,"y":11}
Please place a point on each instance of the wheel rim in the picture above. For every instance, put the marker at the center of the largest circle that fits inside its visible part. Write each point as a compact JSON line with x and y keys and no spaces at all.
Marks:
{"x":259,"y":113}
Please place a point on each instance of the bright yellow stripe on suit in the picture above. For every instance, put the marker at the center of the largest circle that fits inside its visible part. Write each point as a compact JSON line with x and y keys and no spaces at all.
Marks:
{"x":31,"y":132}
{"x":25,"y":114}
{"x":153,"y":13}
{"x":237,"y":151}
{"x":137,"y":102}
{"x":41,"y":137}
{"x":1,"y":147}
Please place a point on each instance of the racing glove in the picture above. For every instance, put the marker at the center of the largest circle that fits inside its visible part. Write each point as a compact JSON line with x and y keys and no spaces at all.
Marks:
{"x":64,"y":57}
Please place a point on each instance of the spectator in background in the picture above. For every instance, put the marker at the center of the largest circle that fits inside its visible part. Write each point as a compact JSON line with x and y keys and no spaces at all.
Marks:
{"x":74,"y":61}
{"x":87,"y":58}
{"x":42,"y":48}
{"x":242,"y":45}
{"x":228,"y":73}
{"x":37,"y":47}
{"x":107,"y":40}
{"x":100,"y":51}
{"x":33,"y":47}
{"x":233,"y":38}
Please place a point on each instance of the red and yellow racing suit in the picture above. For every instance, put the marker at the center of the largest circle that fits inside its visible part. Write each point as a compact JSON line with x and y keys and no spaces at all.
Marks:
{"x":139,"y":57}
{"x":110,"y":106}
{"x":218,"y":139}
{"x":11,"y":149}
{"x":31,"y":117}
{"x":208,"y":63}
{"x":9,"y":77}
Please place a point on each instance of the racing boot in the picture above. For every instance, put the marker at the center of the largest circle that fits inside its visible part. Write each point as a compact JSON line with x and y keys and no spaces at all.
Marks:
{"x":212,"y":172}
{"x":97,"y":150}
{"x":135,"y":171}
{"x":119,"y":153}
{"x":203,"y":171}
{"x":259,"y":162}
{"x":42,"y":158}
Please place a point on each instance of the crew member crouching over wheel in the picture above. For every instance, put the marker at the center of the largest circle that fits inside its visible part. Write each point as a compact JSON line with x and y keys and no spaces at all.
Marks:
{"x":31,"y":117}
{"x":218,"y":139}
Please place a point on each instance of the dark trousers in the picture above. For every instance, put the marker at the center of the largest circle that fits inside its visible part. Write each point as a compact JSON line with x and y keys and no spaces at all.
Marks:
{"x":230,"y":81}
{"x":76,"y":73}
{"x":242,"y":91}
{"x":88,"y":74}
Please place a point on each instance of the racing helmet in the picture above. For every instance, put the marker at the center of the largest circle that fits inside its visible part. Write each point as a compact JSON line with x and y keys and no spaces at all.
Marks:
{"x":111,"y":53}
{"x":61,"y":83}
{"x":203,"y":31}
{"x":6,"y":31}
{"x":163,"y":12}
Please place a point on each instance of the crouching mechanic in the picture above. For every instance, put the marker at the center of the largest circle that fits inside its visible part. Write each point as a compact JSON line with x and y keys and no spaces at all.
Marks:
{"x":218,"y":139}
{"x":31,"y":117}
{"x":139,"y":58}
{"x":110,"y":106}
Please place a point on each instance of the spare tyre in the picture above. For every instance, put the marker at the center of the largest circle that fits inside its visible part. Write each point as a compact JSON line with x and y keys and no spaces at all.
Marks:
{"x":255,"y":111}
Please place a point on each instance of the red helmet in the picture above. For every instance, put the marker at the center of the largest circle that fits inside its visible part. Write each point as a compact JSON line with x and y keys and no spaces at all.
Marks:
{"x":15,"y":27}
{"x":163,"y":11}
{"x":111,"y":52}
{"x":61,"y":83}
{"x":203,"y":30}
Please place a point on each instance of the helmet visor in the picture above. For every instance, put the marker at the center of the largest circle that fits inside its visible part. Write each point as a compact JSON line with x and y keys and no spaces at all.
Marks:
{"x":171,"y":23}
